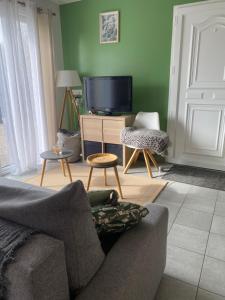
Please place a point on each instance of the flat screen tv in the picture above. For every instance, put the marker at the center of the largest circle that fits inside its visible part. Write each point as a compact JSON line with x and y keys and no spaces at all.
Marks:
{"x":108,"y":94}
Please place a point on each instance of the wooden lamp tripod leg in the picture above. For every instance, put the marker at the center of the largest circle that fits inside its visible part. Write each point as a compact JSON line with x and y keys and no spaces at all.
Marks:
{"x":63,"y":109}
{"x":74,"y":106}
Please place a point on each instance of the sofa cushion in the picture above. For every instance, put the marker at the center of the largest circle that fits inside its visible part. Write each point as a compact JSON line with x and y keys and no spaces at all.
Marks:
{"x":64,"y":215}
{"x":103,"y":197}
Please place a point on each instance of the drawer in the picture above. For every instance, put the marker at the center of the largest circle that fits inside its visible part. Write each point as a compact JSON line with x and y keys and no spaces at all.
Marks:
{"x":92,"y":129}
{"x":111,"y":131}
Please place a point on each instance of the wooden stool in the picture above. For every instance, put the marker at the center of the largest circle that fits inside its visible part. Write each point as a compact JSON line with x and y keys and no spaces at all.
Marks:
{"x":104,"y":161}
{"x":49,"y":155}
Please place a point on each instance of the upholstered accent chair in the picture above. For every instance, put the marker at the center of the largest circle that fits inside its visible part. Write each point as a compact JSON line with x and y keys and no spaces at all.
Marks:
{"x":144,"y":137}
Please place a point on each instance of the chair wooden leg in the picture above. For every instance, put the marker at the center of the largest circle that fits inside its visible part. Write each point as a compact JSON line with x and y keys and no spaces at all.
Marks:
{"x":147,"y":163}
{"x":89,"y":178}
{"x":68,"y":169}
{"x":105,"y":177}
{"x":136,"y":157}
{"x":153,"y":159}
{"x":118,"y":182}
{"x":130,"y":161}
{"x":63,"y":167}
{"x":43,"y":171}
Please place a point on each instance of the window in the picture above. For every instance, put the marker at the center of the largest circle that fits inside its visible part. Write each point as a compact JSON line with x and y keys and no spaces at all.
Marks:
{"x":22,"y":103}
{"x":4,"y":153}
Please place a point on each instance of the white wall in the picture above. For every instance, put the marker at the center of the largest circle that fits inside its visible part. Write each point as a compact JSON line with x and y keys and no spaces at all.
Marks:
{"x":57,"y":40}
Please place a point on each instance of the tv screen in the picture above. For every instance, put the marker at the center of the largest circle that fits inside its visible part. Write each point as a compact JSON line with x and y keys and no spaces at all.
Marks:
{"x":108,"y":94}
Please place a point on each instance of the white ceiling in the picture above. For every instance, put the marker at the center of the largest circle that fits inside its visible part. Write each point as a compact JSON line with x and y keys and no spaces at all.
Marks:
{"x":64,"y":1}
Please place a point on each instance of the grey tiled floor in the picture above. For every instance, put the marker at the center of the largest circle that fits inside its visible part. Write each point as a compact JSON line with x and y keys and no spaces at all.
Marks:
{"x":195,"y":268}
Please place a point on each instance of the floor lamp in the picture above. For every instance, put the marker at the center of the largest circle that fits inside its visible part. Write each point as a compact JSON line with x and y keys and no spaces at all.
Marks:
{"x":68,"y":79}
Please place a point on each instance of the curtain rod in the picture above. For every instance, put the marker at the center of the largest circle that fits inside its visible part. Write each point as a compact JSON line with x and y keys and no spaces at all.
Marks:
{"x":39,"y":9}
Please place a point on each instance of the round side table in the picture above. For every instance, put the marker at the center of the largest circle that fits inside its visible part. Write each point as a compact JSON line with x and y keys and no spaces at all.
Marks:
{"x":104,"y":161}
{"x":49,"y":155}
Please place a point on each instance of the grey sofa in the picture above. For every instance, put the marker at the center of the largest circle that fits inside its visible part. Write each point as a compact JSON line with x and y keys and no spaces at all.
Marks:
{"x":131,"y":270}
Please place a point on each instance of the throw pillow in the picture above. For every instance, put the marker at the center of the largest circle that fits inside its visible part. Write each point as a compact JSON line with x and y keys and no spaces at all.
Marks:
{"x":65,"y":215}
{"x":103,"y":197}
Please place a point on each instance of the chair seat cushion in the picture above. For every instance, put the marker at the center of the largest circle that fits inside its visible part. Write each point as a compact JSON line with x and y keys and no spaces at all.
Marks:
{"x":143,"y":138}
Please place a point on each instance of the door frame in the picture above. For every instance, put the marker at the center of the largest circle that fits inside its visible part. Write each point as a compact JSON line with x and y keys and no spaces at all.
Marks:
{"x":175,"y":67}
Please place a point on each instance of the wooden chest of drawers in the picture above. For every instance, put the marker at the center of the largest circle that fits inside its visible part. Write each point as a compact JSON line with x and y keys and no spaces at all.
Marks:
{"x":105,"y":130}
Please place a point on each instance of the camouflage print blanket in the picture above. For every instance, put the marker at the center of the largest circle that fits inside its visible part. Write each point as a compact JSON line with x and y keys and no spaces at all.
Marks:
{"x":117,"y":219}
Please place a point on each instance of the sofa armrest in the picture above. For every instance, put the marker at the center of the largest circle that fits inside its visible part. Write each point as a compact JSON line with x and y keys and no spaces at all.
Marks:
{"x":39,"y":271}
{"x":133,"y":268}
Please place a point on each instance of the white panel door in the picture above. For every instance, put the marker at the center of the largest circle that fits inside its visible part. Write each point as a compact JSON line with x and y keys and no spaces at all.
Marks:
{"x":196,"y":118}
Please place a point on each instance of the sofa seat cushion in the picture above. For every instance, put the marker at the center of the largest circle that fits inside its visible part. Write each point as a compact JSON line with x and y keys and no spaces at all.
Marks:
{"x":65,"y":215}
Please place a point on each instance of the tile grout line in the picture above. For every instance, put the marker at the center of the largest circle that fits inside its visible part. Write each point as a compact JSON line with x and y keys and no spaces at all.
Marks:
{"x":211,"y":292}
{"x":204,"y":255}
{"x":192,"y":285}
{"x":178,"y":212}
{"x":199,"y":211}
{"x":192,"y":251}
{"x":191,"y":227}
{"x":179,"y":280}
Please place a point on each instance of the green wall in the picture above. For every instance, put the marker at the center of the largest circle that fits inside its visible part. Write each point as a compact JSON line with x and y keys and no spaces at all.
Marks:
{"x":143,"y":50}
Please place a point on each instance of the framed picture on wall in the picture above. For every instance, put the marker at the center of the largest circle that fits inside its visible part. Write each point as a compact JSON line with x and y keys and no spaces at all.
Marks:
{"x":109,"y":27}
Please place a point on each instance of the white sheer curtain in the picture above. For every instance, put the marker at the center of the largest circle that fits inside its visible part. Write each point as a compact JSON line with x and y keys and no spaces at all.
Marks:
{"x":48,"y":71}
{"x":21,"y":90}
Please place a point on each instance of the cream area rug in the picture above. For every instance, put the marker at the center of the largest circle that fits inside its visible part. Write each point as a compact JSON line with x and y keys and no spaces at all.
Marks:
{"x":137,"y":189}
